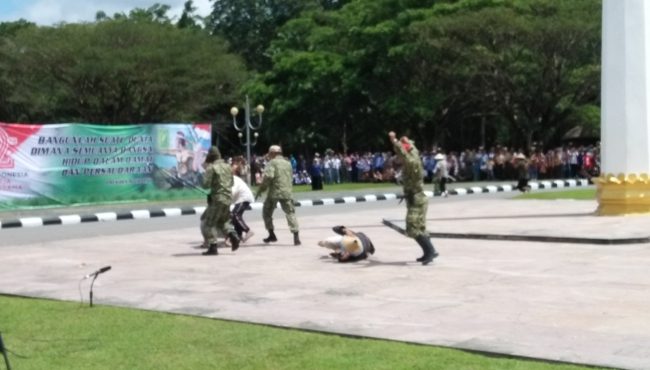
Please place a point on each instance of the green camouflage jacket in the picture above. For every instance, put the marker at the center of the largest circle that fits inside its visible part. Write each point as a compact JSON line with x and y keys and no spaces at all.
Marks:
{"x":278,"y":179}
{"x":218,"y":178}
{"x":412,"y":170}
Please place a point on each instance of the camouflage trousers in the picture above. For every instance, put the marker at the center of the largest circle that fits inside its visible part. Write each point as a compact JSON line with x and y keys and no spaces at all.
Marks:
{"x":289,"y":210}
{"x":416,"y":214}
{"x":215,"y":220}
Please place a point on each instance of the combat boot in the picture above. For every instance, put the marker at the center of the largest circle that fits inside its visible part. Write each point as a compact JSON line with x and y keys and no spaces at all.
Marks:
{"x":212,"y":250}
{"x":296,"y":239}
{"x":270,"y":238}
{"x":427,"y":247}
{"x":234,"y":241}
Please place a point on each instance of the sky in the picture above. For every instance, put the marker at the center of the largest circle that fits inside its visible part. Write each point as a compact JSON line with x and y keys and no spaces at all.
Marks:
{"x":51,"y":12}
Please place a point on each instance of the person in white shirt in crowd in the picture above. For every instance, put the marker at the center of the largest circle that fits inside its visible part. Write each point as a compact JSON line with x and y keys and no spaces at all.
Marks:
{"x":336,"y":169}
{"x":441,"y":173}
{"x":327,"y":168}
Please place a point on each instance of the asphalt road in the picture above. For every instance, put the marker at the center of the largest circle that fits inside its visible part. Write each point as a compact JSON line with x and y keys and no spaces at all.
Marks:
{"x":45,"y":234}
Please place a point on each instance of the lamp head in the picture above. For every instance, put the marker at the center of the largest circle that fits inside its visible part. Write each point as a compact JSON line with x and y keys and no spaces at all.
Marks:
{"x":234,"y":111}
{"x":259,"y":109}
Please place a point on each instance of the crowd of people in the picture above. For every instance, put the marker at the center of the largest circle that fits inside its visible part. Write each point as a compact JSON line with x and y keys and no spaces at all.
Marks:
{"x":496,"y":163}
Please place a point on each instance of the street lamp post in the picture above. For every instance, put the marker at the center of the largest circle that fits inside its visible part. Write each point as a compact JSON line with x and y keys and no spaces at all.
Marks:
{"x":248,"y":126}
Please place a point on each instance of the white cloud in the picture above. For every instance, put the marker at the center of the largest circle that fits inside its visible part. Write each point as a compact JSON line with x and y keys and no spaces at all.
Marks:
{"x":48,"y":12}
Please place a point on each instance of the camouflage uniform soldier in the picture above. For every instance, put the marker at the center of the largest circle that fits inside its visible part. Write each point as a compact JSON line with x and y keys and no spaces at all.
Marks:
{"x":278,"y":179}
{"x":416,"y":200}
{"x":218,"y":178}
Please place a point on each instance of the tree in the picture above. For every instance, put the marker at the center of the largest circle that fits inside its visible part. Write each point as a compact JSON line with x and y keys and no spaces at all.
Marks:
{"x":188,"y":19}
{"x":117,"y":71}
{"x":250,"y":25}
{"x":532,"y":65}
{"x":436,"y":70}
{"x":155,"y":13}
{"x":326,"y":71}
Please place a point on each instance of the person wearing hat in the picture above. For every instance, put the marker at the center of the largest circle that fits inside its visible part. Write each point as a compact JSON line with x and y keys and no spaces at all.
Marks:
{"x":277,"y":182}
{"x":521,"y":166}
{"x":441,"y":173}
{"x":416,"y":201}
{"x":218,"y":178}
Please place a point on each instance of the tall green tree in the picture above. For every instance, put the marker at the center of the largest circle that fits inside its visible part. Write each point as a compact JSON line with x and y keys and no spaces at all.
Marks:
{"x":117,"y":71}
{"x":8,"y":82}
{"x":532,"y":65}
{"x":155,"y":13}
{"x":326,"y":73}
{"x":188,"y":18}
{"x":436,"y":70}
{"x":251,"y":25}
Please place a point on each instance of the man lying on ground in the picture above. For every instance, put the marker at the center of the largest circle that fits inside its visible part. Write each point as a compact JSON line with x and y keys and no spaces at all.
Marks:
{"x":348,"y":245}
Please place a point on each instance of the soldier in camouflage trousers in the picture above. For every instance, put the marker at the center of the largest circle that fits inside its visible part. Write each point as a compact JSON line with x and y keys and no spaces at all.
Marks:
{"x":218,"y":178}
{"x":416,"y":200}
{"x":278,"y":180}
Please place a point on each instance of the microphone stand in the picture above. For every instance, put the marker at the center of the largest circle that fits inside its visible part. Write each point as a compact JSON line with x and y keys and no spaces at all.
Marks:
{"x":91,"y":289}
{"x":4,"y":353}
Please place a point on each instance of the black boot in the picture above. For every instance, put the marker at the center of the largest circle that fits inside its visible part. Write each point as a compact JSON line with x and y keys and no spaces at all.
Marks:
{"x":234,"y":241}
{"x":270,"y":238}
{"x":427,"y":247}
{"x":212,"y":250}
{"x":296,"y":239}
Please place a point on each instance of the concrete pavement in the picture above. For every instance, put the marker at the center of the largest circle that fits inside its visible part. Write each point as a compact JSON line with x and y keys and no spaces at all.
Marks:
{"x":582,"y":303}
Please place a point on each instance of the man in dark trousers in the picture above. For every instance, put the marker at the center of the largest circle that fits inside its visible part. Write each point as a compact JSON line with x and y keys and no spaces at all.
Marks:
{"x":416,"y":201}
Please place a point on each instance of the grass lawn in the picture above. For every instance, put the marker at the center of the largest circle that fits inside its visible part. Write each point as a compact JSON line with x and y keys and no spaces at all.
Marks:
{"x":45,"y":334}
{"x":578,"y":194}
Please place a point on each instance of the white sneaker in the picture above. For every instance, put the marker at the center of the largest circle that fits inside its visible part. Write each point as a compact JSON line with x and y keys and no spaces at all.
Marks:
{"x":247,"y":236}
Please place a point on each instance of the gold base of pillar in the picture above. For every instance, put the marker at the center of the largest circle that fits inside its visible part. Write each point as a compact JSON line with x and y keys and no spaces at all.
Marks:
{"x":623,"y":194}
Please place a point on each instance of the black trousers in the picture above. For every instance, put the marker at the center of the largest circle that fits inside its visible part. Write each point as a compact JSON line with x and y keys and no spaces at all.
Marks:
{"x":237,"y":216}
{"x":443,"y":184}
{"x":522,"y":185}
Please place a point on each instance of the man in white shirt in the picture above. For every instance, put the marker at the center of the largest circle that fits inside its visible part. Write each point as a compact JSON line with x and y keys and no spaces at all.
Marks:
{"x":242,"y":197}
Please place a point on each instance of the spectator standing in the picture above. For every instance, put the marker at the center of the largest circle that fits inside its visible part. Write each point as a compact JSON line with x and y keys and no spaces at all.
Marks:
{"x":522,"y":172}
{"x":316,"y":173}
{"x":336,"y":169}
{"x":441,"y":174}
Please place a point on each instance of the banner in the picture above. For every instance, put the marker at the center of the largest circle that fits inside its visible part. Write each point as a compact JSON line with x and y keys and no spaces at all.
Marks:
{"x":82,"y":163}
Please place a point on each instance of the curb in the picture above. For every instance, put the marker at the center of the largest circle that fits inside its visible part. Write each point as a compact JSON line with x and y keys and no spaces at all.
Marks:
{"x":526,"y":238}
{"x":184,"y":211}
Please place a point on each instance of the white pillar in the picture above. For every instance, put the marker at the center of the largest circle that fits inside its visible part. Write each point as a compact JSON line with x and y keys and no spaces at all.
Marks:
{"x":624,"y":186}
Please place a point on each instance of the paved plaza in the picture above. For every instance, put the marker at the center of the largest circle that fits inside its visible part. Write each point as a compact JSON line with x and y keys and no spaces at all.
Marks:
{"x":578,"y":302}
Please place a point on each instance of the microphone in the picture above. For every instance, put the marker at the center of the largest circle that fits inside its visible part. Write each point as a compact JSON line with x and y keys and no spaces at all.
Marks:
{"x":100,"y":271}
